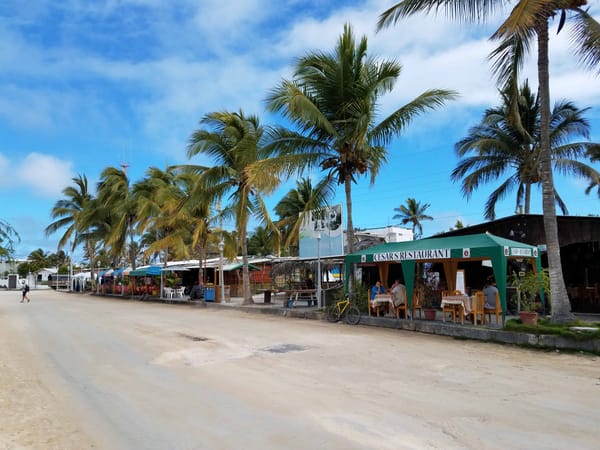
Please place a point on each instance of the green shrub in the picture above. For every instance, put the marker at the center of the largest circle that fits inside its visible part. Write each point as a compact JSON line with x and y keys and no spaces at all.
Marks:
{"x":529,"y":286}
{"x":545,"y":327}
{"x":360,"y":296}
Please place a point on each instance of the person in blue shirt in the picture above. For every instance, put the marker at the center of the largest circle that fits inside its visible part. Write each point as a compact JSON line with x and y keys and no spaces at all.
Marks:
{"x":377,"y":289}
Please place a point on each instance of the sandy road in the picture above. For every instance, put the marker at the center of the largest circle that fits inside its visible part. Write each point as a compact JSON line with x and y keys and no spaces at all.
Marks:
{"x":81,"y":372}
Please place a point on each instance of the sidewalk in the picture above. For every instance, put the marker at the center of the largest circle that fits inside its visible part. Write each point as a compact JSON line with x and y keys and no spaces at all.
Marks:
{"x":490,"y":332}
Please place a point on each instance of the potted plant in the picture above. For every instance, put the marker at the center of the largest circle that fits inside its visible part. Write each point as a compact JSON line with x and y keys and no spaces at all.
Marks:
{"x":429,"y":300}
{"x":528,"y":288}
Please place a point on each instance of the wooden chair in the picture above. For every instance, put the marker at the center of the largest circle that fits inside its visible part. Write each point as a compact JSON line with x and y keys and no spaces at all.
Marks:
{"x":401,"y":308}
{"x":377,"y":308}
{"x":478,"y":308}
{"x":497,"y":311}
{"x":400,"y":296}
{"x":453,"y":310}
{"x":417,"y":303}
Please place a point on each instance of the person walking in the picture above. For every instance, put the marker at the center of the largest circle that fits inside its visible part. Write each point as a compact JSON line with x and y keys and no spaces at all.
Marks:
{"x":25,"y":291}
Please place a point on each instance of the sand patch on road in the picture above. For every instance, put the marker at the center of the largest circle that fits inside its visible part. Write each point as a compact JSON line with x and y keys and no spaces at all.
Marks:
{"x":32,"y":416}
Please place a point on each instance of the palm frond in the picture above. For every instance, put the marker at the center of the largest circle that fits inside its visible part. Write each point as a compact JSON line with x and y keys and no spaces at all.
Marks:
{"x":585,"y":38}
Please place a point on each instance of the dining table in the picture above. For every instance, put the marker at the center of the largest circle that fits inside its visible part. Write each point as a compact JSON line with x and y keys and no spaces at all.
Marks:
{"x":464,"y":302}
{"x":385,"y":300}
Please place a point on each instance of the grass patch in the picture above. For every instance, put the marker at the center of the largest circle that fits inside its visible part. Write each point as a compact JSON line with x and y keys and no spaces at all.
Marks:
{"x":544,"y":327}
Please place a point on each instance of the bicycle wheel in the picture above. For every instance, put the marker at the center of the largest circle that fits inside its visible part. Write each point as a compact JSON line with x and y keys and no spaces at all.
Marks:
{"x":333,"y":313}
{"x":352,"y":315}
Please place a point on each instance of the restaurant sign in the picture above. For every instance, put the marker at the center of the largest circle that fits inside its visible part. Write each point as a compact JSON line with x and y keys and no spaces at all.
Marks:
{"x":520,"y":251}
{"x":438,"y":253}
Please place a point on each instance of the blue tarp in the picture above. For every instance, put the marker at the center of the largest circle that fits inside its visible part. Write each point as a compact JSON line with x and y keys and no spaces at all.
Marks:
{"x":145,"y":271}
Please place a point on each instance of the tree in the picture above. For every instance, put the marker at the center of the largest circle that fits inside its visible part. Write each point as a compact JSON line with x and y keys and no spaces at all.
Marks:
{"x":594,"y":155}
{"x":59,"y":258}
{"x":457,"y":226}
{"x":495,"y":148}
{"x":160,"y":197}
{"x":333,"y":100}
{"x":294,"y":206}
{"x":414,"y":213}
{"x":69,"y":213}
{"x":8,"y":238}
{"x":68,"y":209}
{"x":116,"y":197}
{"x":238,"y":145}
{"x":527,"y":21}
{"x":38,"y":259}
{"x":261,"y":242}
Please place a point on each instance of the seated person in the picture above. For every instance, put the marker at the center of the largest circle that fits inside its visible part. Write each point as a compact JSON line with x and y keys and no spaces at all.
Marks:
{"x":377,"y":289}
{"x":309,"y":283}
{"x":490,"y":291}
{"x":197,"y":292}
{"x":398,"y":293}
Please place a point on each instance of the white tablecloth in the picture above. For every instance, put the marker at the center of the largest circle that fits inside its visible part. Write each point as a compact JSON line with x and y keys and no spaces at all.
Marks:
{"x":463,"y":300}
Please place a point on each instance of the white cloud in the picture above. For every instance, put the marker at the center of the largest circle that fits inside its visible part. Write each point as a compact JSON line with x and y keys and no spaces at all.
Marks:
{"x":43,"y":174}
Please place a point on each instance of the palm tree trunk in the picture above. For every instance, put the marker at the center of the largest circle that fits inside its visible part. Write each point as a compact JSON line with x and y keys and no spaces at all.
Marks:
{"x":131,"y":244}
{"x":245,"y":272}
{"x":349,"y":226}
{"x":561,"y":307}
{"x":92,"y":254}
{"x":349,"y":229}
{"x":527,"y":198}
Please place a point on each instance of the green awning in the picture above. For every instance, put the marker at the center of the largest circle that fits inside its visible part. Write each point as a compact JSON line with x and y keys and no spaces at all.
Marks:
{"x":448,"y":250}
{"x":236,"y":265}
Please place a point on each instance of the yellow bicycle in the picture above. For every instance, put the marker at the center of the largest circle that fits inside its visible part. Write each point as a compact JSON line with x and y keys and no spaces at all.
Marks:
{"x":343,"y":308}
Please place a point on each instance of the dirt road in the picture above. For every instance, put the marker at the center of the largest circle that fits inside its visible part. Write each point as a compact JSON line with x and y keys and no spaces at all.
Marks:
{"x":82,"y":372}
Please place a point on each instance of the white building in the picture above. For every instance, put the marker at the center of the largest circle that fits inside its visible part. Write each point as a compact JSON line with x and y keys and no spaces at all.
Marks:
{"x":42,"y":274}
{"x":7,"y":267}
{"x":389,"y":233}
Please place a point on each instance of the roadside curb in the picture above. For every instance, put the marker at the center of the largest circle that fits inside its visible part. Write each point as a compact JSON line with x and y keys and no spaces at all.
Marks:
{"x":480,"y":333}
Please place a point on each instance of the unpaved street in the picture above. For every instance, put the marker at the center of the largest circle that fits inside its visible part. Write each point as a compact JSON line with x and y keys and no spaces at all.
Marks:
{"x":82,"y":372}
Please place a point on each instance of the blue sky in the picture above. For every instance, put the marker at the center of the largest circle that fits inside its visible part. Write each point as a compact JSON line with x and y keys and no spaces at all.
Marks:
{"x":86,"y":85}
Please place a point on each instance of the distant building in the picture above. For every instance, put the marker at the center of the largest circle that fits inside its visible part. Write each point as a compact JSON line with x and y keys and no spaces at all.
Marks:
{"x":392,"y":234}
{"x":7,"y":267}
{"x":579,"y":238}
{"x":43,"y":274}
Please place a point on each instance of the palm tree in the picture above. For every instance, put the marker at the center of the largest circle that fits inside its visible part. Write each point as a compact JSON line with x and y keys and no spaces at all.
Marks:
{"x":334,"y":99}
{"x":496,"y":148}
{"x":298,"y":202}
{"x":115,"y":195}
{"x":458,"y":225}
{"x":95,"y":224}
{"x":594,"y":155}
{"x":414,"y":213}
{"x":70,"y":212}
{"x":174,"y":213}
{"x":262,"y":242}
{"x":38,"y":259}
{"x":238,"y":145}
{"x":528,"y":21}
{"x":160,"y":197}
{"x":8,"y":238}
